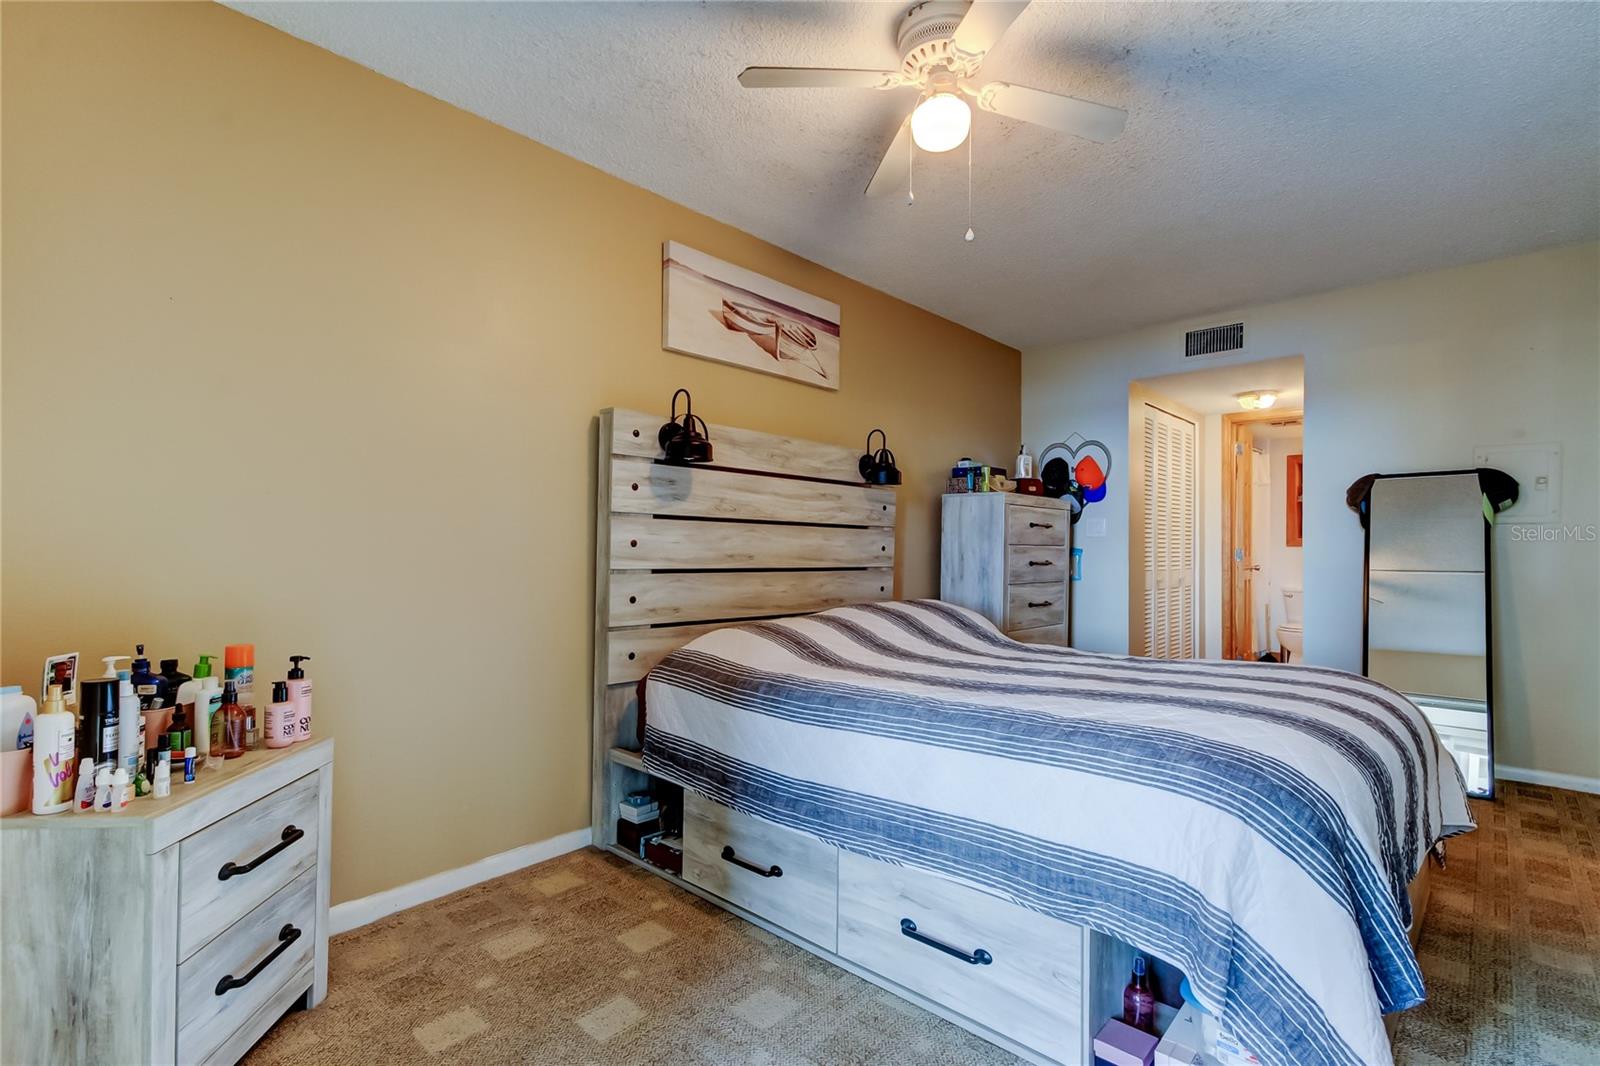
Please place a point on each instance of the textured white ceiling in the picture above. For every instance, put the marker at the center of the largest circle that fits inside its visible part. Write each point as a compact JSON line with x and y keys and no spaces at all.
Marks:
{"x":1271,"y":149}
{"x":1214,"y":390}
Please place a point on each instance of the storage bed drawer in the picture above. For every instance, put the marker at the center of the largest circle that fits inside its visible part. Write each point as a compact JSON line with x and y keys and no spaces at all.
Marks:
{"x":229,"y":979}
{"x":1025,"y":975}
{"x":788,"y":878}
{"x":232,"y":865}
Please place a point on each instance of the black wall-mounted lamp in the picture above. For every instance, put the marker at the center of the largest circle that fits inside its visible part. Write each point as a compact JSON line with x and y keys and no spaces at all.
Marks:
{"x":877,"y":468}
{"x":681,"y":440}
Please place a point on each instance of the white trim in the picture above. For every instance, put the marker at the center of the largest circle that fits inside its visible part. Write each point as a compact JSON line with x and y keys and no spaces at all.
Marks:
{"x":354,"y":913}
{"x":1548,"y":778}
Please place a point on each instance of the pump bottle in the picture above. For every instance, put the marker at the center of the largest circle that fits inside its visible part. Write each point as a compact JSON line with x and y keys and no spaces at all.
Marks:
{"x":300,"y":695}
{"x":54,"y":754}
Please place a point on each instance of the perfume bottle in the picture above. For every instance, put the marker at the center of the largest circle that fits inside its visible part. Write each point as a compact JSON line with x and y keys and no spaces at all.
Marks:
{"x":231,"y":715}
{"x":1138,"y":1003}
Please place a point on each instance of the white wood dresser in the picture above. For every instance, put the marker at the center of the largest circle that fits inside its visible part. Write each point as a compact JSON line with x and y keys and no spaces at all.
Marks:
{"x":1008,"y":557}
{"x":178,"y":930}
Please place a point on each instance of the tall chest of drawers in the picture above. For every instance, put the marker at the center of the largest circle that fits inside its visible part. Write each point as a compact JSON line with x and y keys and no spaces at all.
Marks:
{"x":1008,"y":557}
{"x":178,"y":930}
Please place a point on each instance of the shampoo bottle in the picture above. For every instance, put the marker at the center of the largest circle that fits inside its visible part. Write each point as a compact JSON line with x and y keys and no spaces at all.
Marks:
{"x":207,"y":720}
{"x":281,"y":723}
{"x":130,"y":732}
{"x":150,"y":686}
{"x":300,"y":693}
{"x":174,"y":677}
{"x":54,"y":753}
{"x":97,"y":721}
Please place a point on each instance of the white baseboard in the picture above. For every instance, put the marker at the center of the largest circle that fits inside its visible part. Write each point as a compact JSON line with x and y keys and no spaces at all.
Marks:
{"x":354,"y":913}
{"x":1547,"y":778}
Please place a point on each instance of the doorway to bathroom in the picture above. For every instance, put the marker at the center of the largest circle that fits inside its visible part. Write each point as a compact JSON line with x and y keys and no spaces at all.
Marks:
{"x":1263,"y":532}
{"x":1215,"y":477}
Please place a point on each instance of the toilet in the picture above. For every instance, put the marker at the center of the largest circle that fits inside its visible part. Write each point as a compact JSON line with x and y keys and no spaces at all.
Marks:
{"x":1292,"y":634}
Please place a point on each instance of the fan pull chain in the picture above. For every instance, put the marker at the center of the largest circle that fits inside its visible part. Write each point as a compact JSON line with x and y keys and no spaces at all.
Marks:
{"x":971,"y":135}
{"x":911,"y":159}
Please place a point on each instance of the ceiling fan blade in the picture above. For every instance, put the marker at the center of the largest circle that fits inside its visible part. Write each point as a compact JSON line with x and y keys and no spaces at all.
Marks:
{"x":817,"y":78}
{"x":894,"y":168}
{"x":983,"y":24}
{"x":1081,"y":118}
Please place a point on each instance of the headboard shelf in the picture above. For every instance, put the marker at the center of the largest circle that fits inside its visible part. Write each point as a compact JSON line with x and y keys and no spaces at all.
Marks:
{"x":777,"y":526}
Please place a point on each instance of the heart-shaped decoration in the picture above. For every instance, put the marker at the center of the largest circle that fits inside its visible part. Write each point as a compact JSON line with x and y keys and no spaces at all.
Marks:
{"x":1078,"y":468}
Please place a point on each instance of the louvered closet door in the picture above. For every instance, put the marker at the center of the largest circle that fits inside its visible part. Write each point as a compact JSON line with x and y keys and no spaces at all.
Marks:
{"x":1169,"y":541}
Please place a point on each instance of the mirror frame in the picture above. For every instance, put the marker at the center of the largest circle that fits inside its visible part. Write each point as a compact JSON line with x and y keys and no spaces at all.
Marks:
{"x":1365,"y":514}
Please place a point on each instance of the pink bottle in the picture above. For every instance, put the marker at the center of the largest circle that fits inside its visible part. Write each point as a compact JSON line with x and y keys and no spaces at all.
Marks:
{"x":281,"y":722}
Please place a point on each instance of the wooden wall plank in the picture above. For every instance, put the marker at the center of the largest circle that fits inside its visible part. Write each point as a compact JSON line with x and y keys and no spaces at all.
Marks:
{"x":633,"y":433}
{"x":639,"y":486}
{"x":639,"y":598}
{"x":639,"y":542}
{"x":634,"y":651}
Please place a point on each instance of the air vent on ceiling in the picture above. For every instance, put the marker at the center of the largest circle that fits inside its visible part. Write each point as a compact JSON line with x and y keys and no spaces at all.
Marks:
{"x":1213,"y":339}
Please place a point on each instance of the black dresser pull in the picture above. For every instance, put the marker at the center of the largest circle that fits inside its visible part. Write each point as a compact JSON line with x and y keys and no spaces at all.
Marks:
{"x":1040,"y":525}
{"x":290,"y":835}
{"x":286,"y":936}
{"x":979,"y":957}
{"x":1041,"y":562}
{"x":728,"y":855}
{"x":1040,"y":603}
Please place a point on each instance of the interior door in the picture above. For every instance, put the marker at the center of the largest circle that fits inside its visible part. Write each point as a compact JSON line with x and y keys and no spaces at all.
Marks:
{"x":1237,"y":638}
{"x":1170,"y":526}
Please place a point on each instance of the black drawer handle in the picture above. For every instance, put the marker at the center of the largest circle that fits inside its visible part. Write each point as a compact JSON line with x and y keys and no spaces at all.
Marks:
{"x":1040,"y":603}
{"x":286,"y":936}
{"x":1041,"y":562}
{"x":979,"y":957}
{"x":290,"y":835}
{"x":1040,"y":525}
{"x":728,"y":855}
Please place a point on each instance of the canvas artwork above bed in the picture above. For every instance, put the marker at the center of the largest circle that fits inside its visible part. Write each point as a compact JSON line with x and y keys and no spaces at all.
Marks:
{"x":715,"y":310}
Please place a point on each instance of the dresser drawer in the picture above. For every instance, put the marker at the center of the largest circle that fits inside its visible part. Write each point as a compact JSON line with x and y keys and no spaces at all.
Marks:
{"x":1027,"y":982}
{"x":1026,"y":524}
{"x":1032,"y":564}
{"x":229,"y":867}
{"x":788,"y":878}
{"x":1031,"y":606}
{"x":223,"y":985}
{"x":1056,"y":634}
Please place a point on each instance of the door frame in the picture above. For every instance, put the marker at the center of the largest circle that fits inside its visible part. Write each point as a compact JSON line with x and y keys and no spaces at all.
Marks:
{"x":1230,"y":436}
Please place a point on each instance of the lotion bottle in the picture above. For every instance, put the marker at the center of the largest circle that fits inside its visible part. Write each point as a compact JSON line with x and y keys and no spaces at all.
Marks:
{"x":130,"y":738}
{"x":55,"y":750}
{"x":207,"y":720}
{"x":300,"y":693}
{"x":281,"y":722}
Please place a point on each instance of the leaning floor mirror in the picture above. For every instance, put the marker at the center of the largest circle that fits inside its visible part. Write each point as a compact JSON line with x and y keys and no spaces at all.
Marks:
{"x":1428,"y":619}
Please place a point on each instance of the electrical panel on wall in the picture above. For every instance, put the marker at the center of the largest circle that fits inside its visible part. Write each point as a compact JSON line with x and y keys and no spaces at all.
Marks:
{"x":1537,"y":468}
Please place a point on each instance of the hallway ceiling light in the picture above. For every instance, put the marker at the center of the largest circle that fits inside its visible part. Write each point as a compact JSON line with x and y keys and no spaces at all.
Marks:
{"x":1259,"y":400}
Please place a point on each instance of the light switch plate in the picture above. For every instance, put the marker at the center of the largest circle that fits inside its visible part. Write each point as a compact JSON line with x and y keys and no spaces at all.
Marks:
{"x":1537,"y":468}
{"x":1094,"y":527}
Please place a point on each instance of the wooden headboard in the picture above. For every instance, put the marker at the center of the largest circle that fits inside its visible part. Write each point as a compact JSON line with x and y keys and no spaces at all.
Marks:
{"x":774,"y":526}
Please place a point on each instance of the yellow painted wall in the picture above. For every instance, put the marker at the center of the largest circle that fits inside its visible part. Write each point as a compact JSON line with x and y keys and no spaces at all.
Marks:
{"x":295,"y":354}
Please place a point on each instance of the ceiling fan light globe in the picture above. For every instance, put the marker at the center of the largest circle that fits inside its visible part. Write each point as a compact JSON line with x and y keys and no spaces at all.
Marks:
{"x":941,"y":122}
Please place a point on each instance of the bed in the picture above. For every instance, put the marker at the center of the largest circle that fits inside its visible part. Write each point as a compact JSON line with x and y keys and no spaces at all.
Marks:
{"x":990,"y":828}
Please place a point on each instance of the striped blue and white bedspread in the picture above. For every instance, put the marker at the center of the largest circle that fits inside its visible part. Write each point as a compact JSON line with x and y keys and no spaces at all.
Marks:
{"x":1256,"y":825}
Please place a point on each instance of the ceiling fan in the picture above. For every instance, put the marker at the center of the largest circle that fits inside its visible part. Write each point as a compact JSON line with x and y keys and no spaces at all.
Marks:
{"x":942,"y":43}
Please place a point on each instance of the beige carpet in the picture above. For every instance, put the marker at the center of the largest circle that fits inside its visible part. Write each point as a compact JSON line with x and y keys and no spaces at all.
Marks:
{"x":586,"y":959}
